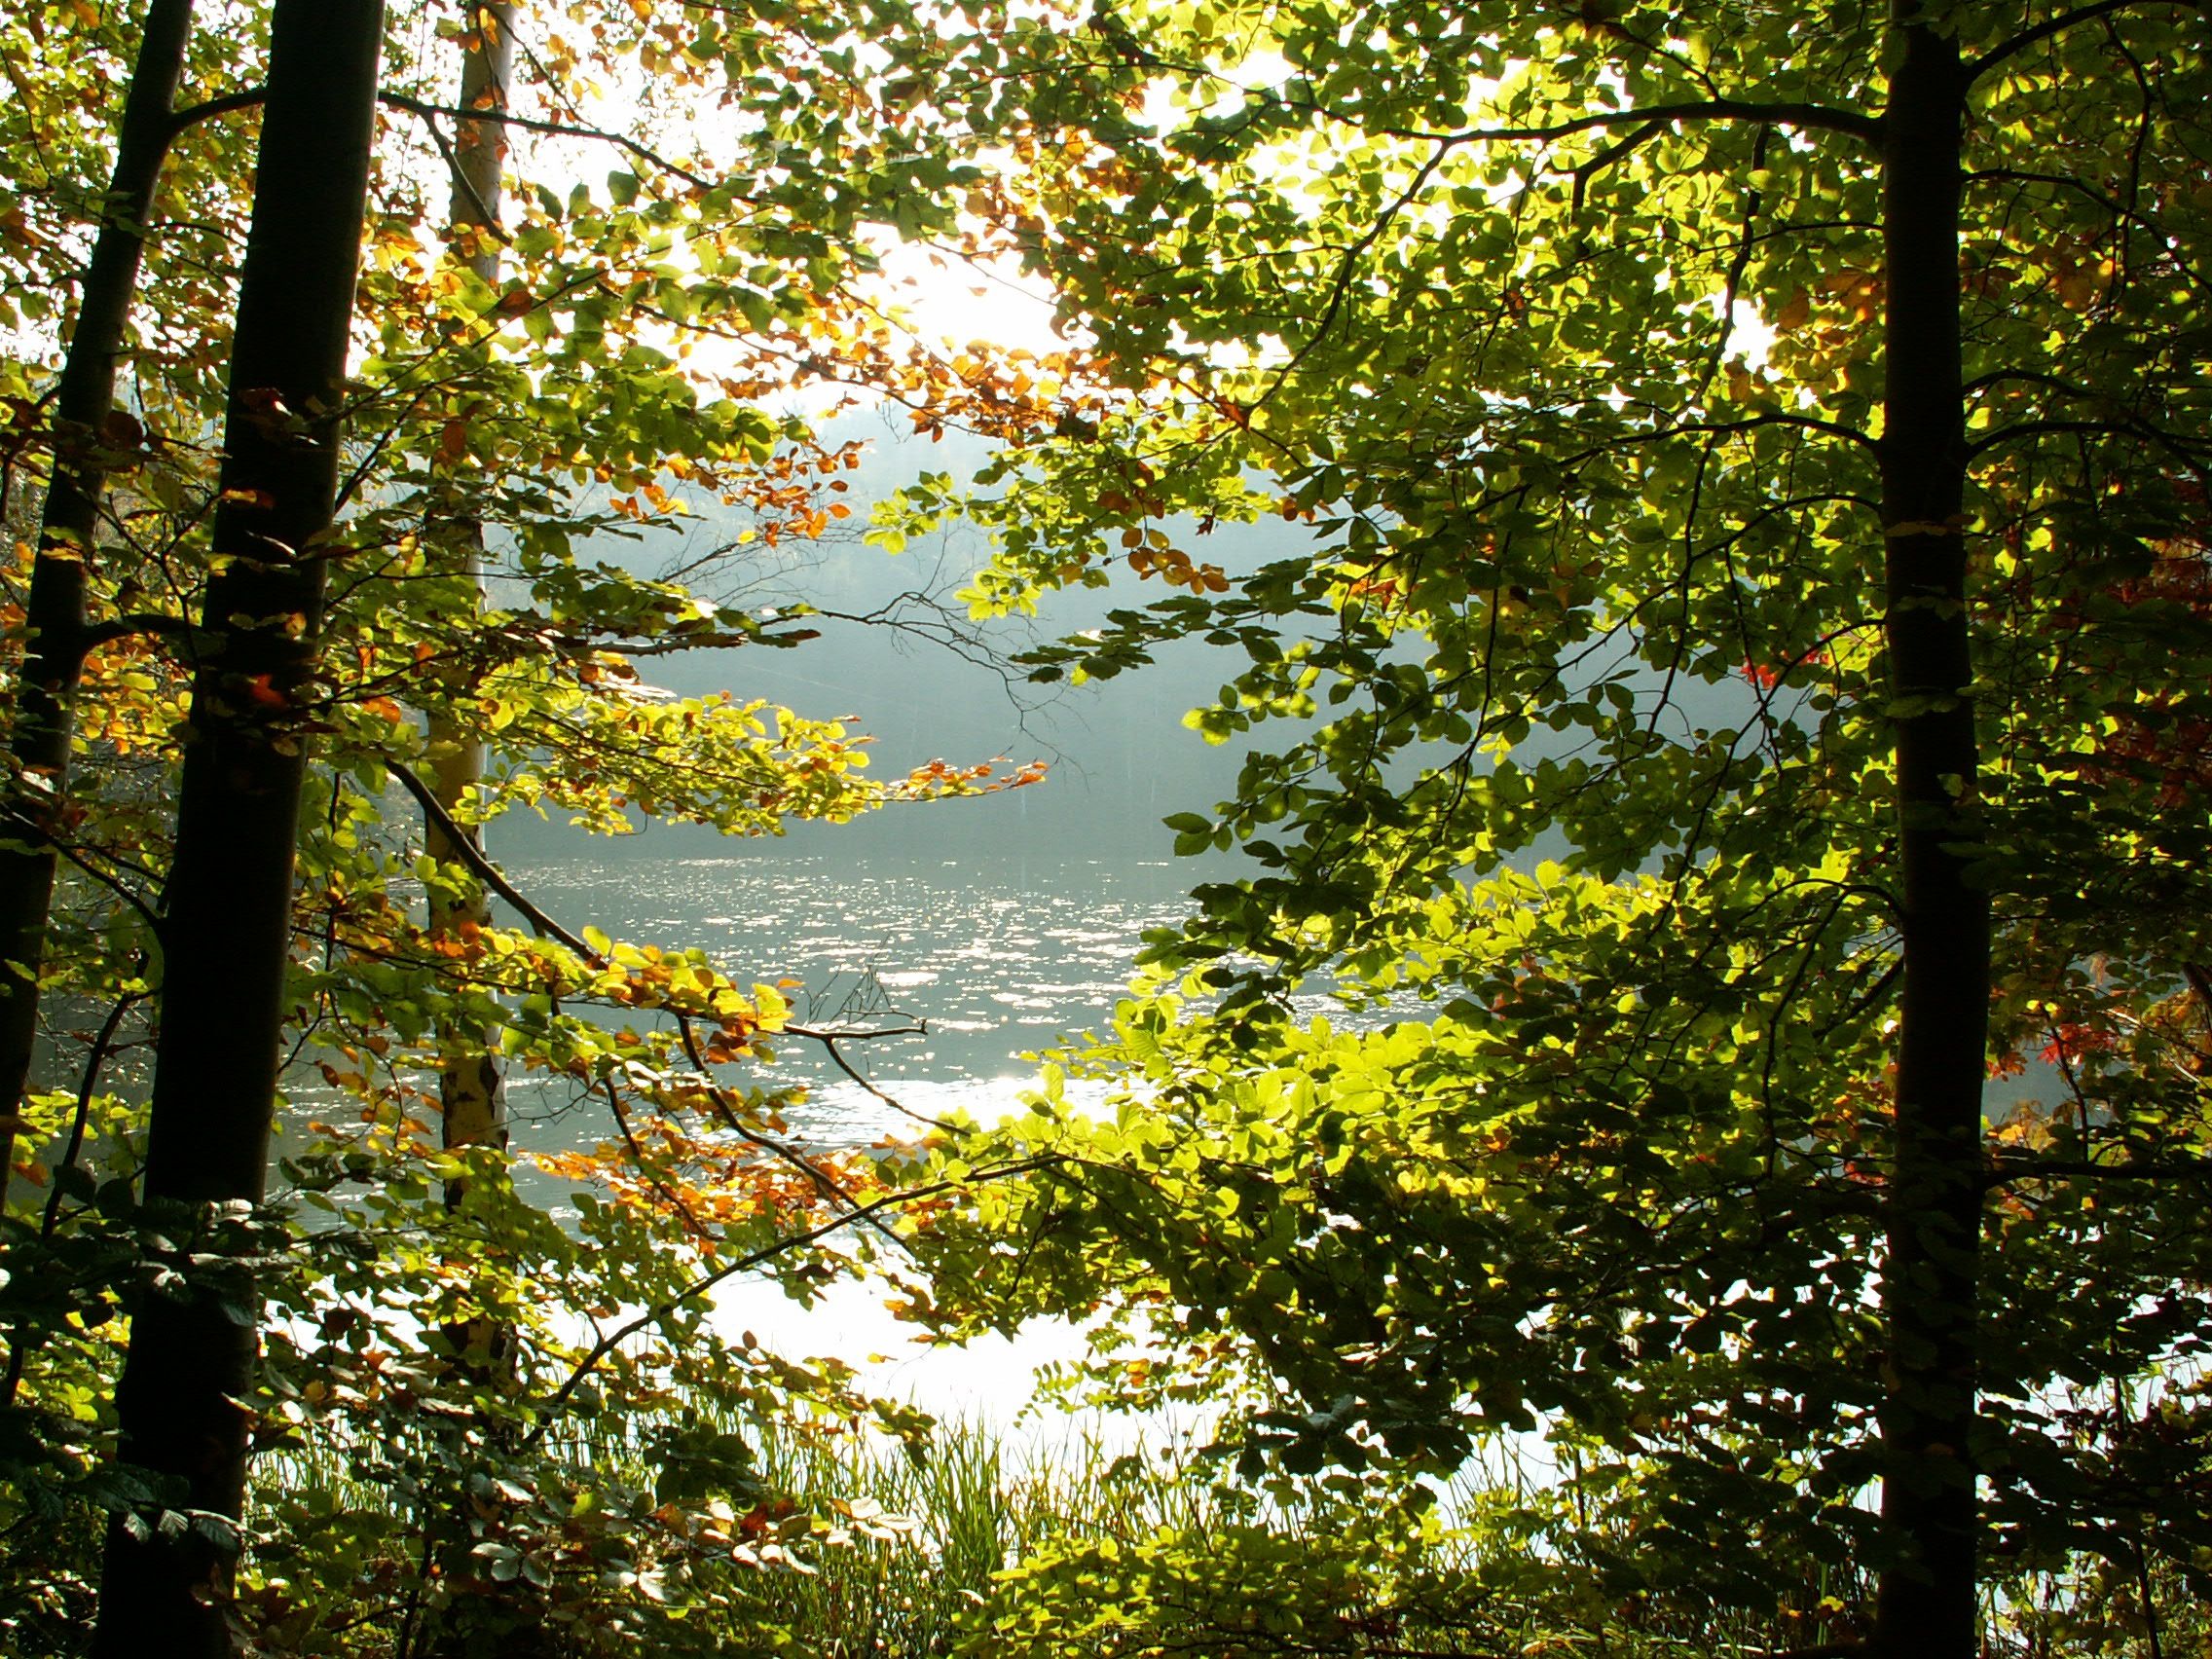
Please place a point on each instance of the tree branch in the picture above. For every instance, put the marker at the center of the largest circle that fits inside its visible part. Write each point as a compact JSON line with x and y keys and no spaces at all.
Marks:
{"x":486,"y":219}
{"x":698,"y":1287}
{"x":137,"y":622}
{"x":2181,"y":452}
{"x":482,"y":868}
{"x":1348,"y":264}
{"x":1825,"y":118}
{"x":193,"y":114}
{"x":156,"y":924}
{"x":1585,"y":171}
{"x":566,"y":129}
{"x":2005,"y":1173}
{"x":2049,"y":27}
{"x":821,"y":1179}
{"x":830,"y":1040}
{"x":486,"y":871}
{"x":1732,"y":428}
{"x":20,"y":1341}
{"x":669,"y":1195}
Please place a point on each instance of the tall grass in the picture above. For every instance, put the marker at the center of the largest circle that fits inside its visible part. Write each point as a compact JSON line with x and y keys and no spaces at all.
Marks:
{"x":970,"y":1503}
{"x":907,"y":1539}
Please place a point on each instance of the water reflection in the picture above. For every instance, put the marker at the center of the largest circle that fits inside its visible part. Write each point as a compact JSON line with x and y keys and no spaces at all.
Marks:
{"x":994,"y":968}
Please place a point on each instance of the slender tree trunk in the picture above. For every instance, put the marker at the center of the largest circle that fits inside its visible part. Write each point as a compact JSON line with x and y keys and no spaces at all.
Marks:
{"x":470,"y":1089}
{"x":226,"y":934}
{"x":1927,"y":1600}
{"x":469,"y":1086}
{"x":54,"y":611}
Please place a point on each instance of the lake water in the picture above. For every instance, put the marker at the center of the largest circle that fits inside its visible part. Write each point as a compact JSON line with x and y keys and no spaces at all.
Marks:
{"x":997,"y":958}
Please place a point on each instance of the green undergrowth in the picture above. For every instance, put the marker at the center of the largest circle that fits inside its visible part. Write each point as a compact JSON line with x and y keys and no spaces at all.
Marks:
{"x":971,"y":1542}
{"x":1046,"y":1544}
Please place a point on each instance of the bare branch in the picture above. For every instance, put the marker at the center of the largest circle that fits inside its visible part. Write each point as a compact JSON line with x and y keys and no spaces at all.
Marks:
{"x":830,"y":1040}
{"x":698,"y":1287}
{"x":566,"y":129}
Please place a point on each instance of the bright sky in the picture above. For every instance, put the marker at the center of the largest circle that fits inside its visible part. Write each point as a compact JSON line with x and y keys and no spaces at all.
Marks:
{"x":960,"y":301}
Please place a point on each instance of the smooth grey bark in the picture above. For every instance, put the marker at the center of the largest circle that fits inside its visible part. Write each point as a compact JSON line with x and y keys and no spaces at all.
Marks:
{"x":470,"y":1089}
{"x":226,"y":934}
{"x":471,"y":1092}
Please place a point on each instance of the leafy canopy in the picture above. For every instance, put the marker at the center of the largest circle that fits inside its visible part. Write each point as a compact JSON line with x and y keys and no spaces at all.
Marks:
{"x":1556,"y":337}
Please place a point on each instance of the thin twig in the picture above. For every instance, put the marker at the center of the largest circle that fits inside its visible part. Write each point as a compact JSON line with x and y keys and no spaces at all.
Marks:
{"x":830,"y":1040}
{"x":19,"y":1345}
{"x":507,"y":118}
{"x":614,"y":1339}
{"x":821,"y":1179}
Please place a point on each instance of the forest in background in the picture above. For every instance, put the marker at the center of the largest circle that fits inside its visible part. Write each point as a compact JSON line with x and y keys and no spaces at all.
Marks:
{"x":1725,"y":711}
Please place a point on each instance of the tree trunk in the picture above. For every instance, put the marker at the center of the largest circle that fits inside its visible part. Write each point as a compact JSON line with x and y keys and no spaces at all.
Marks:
{"x":55,"y":610}
{"x":226,"y":934}
{"x":470,"y":1087}
{"x":1927,"y":1600}
{"x":475,"y":1617}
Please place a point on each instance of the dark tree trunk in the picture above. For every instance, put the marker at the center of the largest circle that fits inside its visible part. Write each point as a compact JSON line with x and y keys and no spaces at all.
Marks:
{"x":54,"y":611}
{"x":1927,"y":1600}
{"x":226,"y":934}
